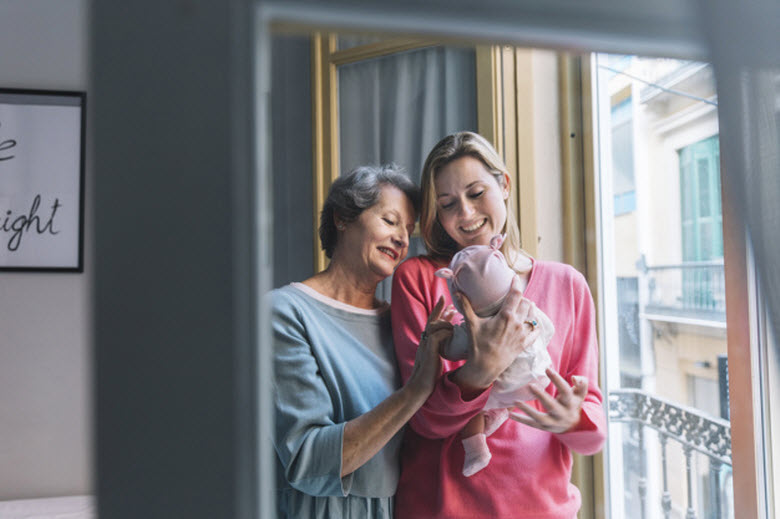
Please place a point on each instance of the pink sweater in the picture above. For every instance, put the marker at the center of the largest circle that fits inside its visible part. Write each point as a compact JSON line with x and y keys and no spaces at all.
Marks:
{"x":529,"y":473}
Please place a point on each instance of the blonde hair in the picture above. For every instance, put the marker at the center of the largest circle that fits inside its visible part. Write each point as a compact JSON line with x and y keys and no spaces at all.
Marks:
{"x":462,"y":144}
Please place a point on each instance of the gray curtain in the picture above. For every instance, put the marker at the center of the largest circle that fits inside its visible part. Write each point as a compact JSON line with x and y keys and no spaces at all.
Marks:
{"x":744,"y":39}
{"x":397,"y":107}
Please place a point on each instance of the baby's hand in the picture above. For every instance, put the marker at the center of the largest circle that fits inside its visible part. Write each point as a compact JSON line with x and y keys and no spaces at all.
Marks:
{"x":456,"y":345}
{"x":449,"y":314}
{"x":444,"y":322}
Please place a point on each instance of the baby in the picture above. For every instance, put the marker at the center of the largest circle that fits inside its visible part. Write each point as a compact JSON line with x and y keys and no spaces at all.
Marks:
{"x":483,"y":275}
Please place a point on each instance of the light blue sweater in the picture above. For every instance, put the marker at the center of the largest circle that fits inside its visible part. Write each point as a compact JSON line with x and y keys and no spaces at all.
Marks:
{"x":332,"y":363}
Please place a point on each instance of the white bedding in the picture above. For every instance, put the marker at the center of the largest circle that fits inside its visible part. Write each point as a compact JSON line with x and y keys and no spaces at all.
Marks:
{"x":70,"y":507}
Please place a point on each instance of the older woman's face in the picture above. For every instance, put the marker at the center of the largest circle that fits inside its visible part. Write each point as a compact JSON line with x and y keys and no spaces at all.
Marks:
{"x":378,"y":240}
{"x":470,"y":203}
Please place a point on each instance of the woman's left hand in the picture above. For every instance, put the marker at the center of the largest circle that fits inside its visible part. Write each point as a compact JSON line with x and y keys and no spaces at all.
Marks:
{"x":563,"y":411}
{"x":427,"y":362}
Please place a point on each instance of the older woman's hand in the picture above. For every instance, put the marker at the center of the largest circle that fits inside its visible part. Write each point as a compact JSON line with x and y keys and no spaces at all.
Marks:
{"x":427,"y":362}
{"x":496,"y":340}
{"x":563,"y":411}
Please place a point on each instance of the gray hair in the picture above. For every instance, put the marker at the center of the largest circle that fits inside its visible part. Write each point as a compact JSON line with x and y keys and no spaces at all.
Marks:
{"x":351,"y":194}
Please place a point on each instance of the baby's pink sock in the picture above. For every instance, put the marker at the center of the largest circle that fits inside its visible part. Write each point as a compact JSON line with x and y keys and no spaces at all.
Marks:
{"x":477,"y":454}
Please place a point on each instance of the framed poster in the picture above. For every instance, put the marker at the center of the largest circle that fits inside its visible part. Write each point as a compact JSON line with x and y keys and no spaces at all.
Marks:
{"x":42,"y":180}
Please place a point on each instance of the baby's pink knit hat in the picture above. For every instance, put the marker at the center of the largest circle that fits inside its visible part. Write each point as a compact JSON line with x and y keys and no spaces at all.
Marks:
{"x":482,"y":274}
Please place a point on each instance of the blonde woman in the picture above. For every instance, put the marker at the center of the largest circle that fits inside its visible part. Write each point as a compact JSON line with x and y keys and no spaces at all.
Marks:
{"x":465,"y":201}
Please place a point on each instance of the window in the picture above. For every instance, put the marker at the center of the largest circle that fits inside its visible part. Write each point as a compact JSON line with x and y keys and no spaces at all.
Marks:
{"x":623,"y":158}
{"x":663,"y":271}
{"x":700,"y":200}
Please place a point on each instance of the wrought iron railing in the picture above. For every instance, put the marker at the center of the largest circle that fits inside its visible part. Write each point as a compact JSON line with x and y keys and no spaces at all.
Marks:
{"x":690,"y":428}
{"x":694,"y":289}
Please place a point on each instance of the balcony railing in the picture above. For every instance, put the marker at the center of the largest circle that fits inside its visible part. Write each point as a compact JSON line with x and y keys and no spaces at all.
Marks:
{"x":692,"y":290}
{"x":692,"y":430}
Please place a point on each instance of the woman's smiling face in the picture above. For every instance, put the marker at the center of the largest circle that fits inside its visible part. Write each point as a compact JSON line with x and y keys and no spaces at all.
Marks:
{"x":378,"y":240}
{"x":470,"y":203}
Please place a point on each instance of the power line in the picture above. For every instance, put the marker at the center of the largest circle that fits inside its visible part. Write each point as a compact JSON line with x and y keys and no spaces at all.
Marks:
{"x":656,"y":85}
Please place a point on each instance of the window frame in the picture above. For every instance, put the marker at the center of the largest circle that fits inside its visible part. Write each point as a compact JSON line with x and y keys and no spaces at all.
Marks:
{"x":741,"y":300}
{"x":695,"y":219}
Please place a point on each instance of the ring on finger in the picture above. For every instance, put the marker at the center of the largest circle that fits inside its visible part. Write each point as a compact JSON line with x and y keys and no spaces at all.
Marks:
{"x":533,"y":323}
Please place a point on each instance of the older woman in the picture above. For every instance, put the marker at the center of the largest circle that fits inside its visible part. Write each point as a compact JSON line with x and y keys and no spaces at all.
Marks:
{"x":466,"y":192}
{"x":338,"y":407}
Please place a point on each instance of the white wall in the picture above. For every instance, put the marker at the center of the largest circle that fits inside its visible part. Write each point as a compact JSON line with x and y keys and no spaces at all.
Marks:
{"x":45,"y":371}
{"x":547,"y":155}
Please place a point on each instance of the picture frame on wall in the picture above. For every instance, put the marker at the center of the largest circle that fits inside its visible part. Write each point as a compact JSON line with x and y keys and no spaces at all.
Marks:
{"x":42,"y":134}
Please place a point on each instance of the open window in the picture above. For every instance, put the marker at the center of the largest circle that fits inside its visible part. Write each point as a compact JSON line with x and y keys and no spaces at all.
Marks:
{"x":663,"y":304}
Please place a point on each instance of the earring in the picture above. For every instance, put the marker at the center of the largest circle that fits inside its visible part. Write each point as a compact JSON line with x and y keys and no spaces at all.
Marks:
{"x":340,"y":227}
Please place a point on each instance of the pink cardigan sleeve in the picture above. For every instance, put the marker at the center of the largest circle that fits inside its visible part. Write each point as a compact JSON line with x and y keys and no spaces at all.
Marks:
{"x":415,"y":291}
{"x":583,"y":359}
